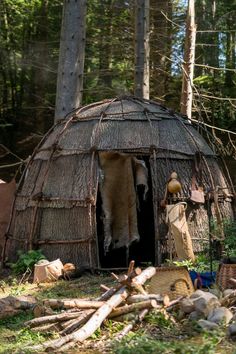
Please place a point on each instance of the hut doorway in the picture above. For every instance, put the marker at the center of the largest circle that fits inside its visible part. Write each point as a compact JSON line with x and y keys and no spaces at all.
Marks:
{"x":124,"y":210}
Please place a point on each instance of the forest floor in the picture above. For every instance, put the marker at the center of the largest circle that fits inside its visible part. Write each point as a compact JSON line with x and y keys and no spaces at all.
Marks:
{"x":154,"y":335}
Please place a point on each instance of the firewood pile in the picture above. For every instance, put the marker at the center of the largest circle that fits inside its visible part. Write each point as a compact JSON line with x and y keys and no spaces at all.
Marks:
{"x":77,"y":319}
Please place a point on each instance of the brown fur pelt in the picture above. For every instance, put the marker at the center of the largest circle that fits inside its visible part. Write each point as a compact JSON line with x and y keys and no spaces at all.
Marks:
{"x":118,"y":200}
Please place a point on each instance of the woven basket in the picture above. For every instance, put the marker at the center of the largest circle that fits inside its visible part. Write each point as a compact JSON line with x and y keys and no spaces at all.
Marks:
{"x":225,"y":272}
{"x":171,"y":281}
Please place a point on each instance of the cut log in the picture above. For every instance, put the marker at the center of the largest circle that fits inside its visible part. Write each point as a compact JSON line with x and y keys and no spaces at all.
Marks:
{"x":11,"y":305}
{"x":51,"y":319}
{"x":165,"y":300}
{"x":134,"y":307}
{"x":73,"y":303}
{"x":138,"y":281}
{"x":41,"y":310}
{"x":97,"y":318}
{"x":75,"y":324}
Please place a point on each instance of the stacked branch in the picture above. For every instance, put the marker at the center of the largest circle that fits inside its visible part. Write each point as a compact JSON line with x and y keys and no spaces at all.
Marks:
{"x":80,"y":318}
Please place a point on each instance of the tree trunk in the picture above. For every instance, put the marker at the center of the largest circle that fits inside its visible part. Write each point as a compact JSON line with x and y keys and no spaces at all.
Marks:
{"x":141,"y":77}
{"x":230,"y":53}
{"x":160,"y":48}
{"x":105,"y":45}
{"x":71,"y":58}
{"x":40,"y":59}
{"x":188,"y":65}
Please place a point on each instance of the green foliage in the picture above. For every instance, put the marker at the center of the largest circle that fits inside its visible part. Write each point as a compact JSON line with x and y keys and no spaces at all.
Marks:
{"x":158,"y":319}
{"x":229,"y":242}
{"x":13,"y":338}
{"x":230,"y":238}
{"x":204,"y":80}
{"x":200,"y":265}
{"x":113,"y":327}
{"x":143,"y":344}
{"x":26,"y":261}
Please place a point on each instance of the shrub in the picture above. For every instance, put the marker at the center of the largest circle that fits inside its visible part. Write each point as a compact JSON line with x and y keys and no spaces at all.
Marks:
{"x":26,"y":261}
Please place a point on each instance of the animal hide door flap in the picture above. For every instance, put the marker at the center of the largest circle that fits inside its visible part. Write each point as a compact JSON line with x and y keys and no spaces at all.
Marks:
{"x":117,"y":187}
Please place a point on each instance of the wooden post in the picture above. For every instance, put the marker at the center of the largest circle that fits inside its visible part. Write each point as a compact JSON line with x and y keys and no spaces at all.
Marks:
{"x":141,"y":76}
{"x":188,"y":64}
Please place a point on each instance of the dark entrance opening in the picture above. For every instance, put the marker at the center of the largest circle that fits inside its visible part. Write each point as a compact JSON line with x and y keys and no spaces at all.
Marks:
{"x":143,"y":251}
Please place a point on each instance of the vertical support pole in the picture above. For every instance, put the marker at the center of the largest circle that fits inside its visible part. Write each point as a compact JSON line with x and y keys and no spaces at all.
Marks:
{"x":155,"y":210}
{"x":93,"y":188}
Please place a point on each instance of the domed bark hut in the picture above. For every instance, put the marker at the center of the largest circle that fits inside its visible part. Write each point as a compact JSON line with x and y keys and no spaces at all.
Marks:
{"x":82,"y":199}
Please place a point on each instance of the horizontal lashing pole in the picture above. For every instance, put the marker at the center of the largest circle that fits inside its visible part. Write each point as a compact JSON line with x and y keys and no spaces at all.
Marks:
{"x":82,"y":240}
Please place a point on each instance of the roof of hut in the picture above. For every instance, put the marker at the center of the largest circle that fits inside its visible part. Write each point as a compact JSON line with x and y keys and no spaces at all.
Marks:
{"x":124,"y":123}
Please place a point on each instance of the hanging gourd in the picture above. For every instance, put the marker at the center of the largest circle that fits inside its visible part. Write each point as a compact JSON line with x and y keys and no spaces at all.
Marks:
{"x":174,"y":185}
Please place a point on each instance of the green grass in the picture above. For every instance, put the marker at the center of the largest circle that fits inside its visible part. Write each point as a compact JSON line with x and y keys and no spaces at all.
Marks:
{"x":201,"y":343}
{"x":14,"y":337}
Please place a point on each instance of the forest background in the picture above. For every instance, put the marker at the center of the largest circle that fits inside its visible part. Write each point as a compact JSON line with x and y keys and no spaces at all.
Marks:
{"x":29,"y":52}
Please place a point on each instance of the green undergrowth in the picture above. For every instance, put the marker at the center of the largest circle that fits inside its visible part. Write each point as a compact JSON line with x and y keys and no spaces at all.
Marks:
{"x":137,"y":343}
{"x":160,"y":334}
{"x":14,"y":337}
